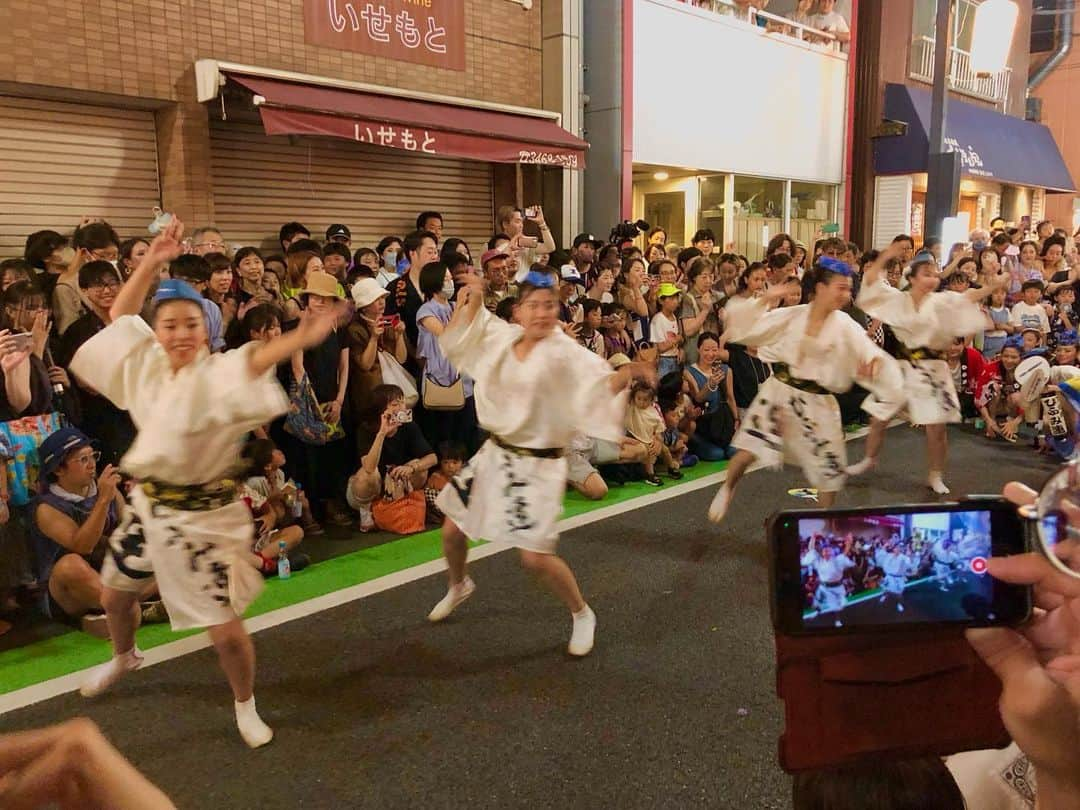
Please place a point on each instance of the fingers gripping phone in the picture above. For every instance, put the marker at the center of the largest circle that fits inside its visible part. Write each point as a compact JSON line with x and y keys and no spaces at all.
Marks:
{"x":869,"y":610}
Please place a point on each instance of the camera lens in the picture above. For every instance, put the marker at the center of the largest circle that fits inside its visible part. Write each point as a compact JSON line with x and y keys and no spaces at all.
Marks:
{"x":1058,"y":519}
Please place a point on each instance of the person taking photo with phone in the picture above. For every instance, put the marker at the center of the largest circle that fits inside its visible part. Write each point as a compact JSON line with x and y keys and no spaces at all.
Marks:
{"x":369,"y":333}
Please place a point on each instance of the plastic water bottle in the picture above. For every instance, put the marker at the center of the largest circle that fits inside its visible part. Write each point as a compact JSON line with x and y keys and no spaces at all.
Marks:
{"x":297,"y":504}
{"x":284,"y":567}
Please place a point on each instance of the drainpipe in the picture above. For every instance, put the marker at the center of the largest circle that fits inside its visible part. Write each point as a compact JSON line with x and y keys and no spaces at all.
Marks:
{"x":1060,"y":53}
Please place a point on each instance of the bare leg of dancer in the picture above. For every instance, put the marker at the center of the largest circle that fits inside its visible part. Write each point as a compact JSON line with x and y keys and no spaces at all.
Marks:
{"x":122,"y":616}
{"x":236,"y":654}
{"x":456,"y":552}
{"x":937,"y":449}
{"x":740,"y":463}
{"x":557,"y":576}
{"x":874,"y":442}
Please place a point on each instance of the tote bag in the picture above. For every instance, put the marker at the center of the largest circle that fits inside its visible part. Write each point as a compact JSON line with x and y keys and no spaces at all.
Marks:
{"x":393,"y":373}
{"x":306,"y":419}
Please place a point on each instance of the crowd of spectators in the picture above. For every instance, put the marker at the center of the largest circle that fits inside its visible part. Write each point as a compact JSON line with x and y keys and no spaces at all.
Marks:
{"x":819,"y":15}
{"x":378,"y":411}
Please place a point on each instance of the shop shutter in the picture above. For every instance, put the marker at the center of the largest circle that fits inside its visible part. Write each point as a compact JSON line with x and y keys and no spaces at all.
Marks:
{"x":1038,"y":206}
{"x":59,"y":161}
{"x":892,"y":208}
{"x":263,"y":181}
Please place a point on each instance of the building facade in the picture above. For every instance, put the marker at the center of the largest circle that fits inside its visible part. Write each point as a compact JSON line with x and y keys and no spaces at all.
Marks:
{"x":113,"y":107}
{"x":1009,"y":165}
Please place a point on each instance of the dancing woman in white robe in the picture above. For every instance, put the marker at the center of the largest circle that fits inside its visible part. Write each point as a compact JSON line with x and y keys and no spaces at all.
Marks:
{"x":925,"y":322}
{"x":816,"y":351}
{"x":186,"y":526}
{"x":535,"y":387}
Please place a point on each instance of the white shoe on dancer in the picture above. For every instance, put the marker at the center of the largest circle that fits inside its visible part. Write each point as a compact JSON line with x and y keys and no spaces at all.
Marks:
{"x":455,"y":595}
{"x":104,"y":676}
{"x":581,"y":640}
{"x":254,"y":731}
{"x":864,"y":466}
{"x":935,"y":483}
{"x":720,"y":502}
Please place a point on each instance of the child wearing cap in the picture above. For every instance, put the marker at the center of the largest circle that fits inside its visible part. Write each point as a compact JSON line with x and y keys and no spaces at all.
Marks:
{"x":1028,"y":312}
{"x":186,"y":525}
{"x":665,"y":332}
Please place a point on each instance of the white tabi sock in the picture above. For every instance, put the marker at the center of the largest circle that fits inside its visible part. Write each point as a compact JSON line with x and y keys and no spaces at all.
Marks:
{"x":104,"y":676}
{"x":254,"y":731}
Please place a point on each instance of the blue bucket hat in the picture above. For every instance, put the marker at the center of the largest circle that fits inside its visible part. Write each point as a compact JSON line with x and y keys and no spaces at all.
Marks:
{"x":174,"y":289}
{"x":58,"y":445}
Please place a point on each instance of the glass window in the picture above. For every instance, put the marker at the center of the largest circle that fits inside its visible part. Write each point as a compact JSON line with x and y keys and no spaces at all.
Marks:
{"x":811,"y":208}
{"x":667,"y":210}
{"x":758,"y":214}
{"x":711,"y":205}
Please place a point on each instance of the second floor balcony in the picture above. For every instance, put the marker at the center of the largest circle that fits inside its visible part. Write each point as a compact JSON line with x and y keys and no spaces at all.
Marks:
{"x":962,"y":79}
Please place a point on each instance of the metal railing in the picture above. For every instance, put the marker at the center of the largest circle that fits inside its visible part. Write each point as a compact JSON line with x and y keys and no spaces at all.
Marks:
{"x":769,"y":23}
{"x":962,"y":78}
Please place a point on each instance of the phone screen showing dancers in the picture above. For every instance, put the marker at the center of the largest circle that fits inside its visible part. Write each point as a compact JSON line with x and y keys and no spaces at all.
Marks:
{"x":903,"y":566}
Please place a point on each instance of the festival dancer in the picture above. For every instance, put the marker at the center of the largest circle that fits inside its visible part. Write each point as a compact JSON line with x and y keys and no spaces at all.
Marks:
{"x":925,"y":323}
{"x":831,"y":595}
{"x":816,"y":351}
{"x":896,"y":566}
{"x":945,"y":558}
{"x":185,"y":526}
{"x":512,"y":490}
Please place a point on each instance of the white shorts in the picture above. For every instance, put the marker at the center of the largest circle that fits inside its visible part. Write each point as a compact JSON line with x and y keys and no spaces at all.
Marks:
{"x":199,"y":559}
{"x":931,"y":392}
{"x":831,"y":598}
{"x":894,"y":583}
{"x":503,"y":497}
{"x":786,"y":424}
{"x":942,"y":570}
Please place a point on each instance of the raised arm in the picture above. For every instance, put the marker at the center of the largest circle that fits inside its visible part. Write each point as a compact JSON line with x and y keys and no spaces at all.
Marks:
{"x":995,"y":283}
{"x":165,"y":247}
{"x":470,"y":299}
{"x":311,"y":331}
{"x":876,"y":269}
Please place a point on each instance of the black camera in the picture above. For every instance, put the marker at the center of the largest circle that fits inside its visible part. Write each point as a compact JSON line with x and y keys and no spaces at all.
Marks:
{"x":627,"y":231}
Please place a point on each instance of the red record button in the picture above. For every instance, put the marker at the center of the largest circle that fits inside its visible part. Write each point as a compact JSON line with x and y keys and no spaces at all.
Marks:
{"x":978,"y":565}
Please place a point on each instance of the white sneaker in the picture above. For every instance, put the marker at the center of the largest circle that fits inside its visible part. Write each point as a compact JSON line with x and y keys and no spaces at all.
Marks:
{"x":455,"y":595}
{"x":719,"y":506}
{"x":863,"y":466}
{"x":367,"y":522}
{"x":104,"y":676}
{"x":581,"y":640}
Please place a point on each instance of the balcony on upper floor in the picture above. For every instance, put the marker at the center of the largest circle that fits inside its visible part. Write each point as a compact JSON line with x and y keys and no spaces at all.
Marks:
{"x":962,"y":79}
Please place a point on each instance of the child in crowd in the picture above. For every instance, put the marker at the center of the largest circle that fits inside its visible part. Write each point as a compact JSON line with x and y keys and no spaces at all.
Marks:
{"x":994,"y":339}
{"x":1028,"y":312}
{"x":664,"y":332}
{"x":1065,"y":353}
{"x":590,"y":335}
{"x":1031,"y":339}
{"x":266,"y":479}
{"x":673,"y":409}
{"x":1063,"y":318}
{"x":452,"y":457}
{"x":645,"y":424}
{"x":617,"y":339}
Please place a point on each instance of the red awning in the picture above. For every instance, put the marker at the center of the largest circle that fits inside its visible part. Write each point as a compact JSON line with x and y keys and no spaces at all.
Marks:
{"x":415,"y":126}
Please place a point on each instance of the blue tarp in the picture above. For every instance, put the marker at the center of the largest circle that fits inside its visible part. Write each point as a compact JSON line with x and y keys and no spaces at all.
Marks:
{"x":991,"y":145}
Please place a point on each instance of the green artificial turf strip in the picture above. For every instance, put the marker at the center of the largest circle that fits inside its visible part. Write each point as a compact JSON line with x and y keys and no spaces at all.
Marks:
{"x":74,"y":651}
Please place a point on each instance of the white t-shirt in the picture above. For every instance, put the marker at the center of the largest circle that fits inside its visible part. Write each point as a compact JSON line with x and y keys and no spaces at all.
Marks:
{"x":659,"y":329}
{"x":1029,"y":316}
{"x":833,"y":22}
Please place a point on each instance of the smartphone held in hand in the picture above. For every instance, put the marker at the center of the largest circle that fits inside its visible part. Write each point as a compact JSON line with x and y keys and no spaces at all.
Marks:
{"x":888,"y":568}
{"x":21,"y":341}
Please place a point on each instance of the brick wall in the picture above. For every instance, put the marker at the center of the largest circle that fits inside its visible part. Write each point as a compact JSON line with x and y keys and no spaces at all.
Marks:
{"x":147,"y":49}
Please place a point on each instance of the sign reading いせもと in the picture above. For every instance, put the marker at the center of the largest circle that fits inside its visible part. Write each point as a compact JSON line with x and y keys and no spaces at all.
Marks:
{"x":428,"y":32}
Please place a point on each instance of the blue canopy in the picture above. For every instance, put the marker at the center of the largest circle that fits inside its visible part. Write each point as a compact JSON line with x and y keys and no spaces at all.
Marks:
{"x":991,"y":145}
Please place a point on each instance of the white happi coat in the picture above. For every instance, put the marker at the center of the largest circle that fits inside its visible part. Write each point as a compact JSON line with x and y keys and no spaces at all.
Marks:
{"x":191,"y":427}
{"x":941,"y":317}
{"x":560,"y":389}
{"x":831,"y":594}
{"x":785,"y":422}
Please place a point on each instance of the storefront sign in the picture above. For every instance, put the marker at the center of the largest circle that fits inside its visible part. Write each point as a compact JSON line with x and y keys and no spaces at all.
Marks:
{"x":428,"y":32}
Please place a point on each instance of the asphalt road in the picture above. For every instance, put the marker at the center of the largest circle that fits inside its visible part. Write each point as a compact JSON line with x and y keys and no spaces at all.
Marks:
{"x":374,"y":707}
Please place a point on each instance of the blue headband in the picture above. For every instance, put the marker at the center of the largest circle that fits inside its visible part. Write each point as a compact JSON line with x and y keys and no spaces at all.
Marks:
{"x":534,"y":278}
{"x":1014,"y":342}
{"x":173,"y":289}
{"x":1068,"y":338}
{"x":835,"y":266}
